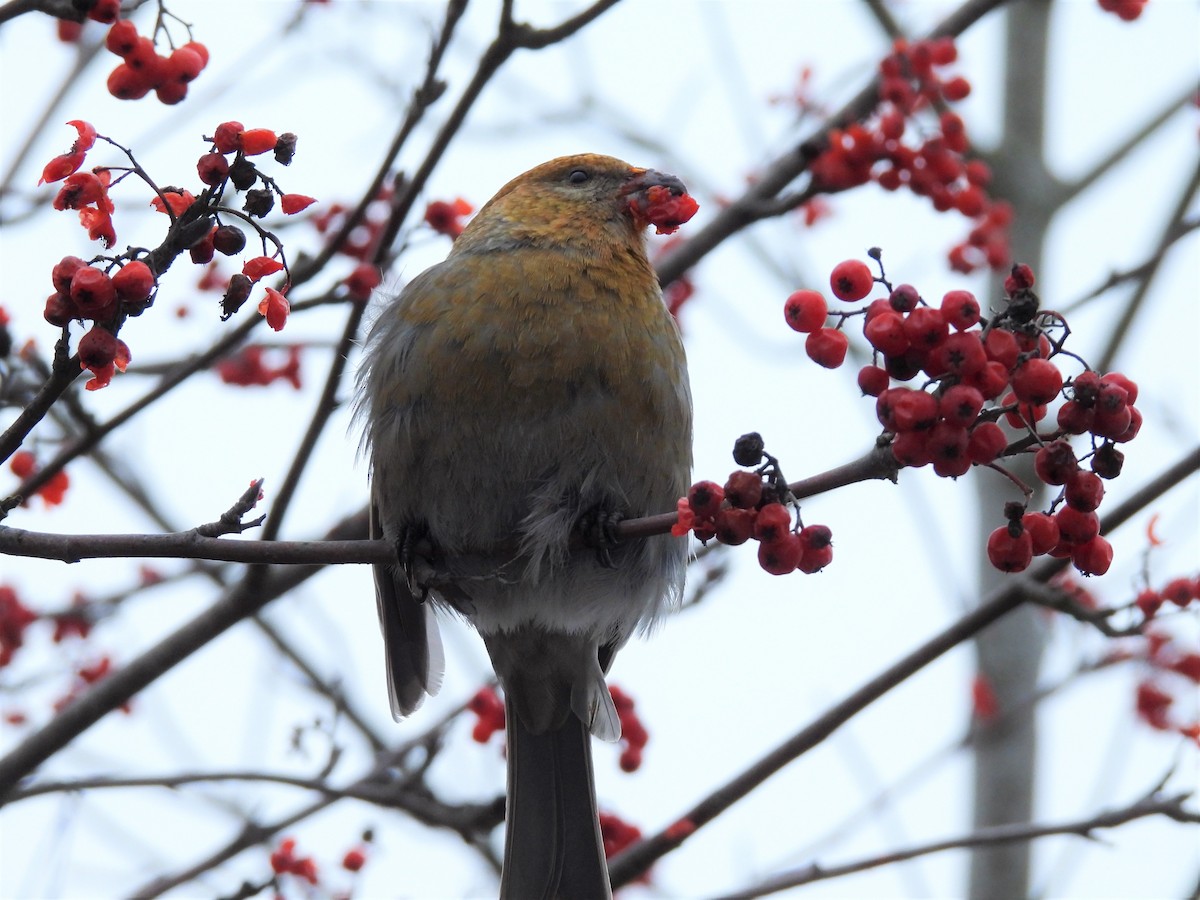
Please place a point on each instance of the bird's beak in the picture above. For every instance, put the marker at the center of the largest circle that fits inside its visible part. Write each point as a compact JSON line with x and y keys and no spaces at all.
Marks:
{"x":654,"y":198}
{"x":641,"y":179}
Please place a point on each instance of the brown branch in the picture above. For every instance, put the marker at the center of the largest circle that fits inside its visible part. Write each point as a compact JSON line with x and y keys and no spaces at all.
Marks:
{"x":1152,"y":805}
{"x":200,"y":543}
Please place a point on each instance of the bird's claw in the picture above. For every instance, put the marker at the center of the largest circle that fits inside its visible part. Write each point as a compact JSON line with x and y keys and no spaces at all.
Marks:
{"x":598,"y":527}
{"x":411,"y":549}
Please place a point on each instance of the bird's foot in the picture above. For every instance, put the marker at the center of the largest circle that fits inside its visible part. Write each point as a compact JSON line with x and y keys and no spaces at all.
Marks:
{"x":598,"y":528}
{"x":415,"y":554}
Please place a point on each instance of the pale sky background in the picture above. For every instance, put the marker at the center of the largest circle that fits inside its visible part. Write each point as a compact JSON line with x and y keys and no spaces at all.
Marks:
{"x":682,"y":87}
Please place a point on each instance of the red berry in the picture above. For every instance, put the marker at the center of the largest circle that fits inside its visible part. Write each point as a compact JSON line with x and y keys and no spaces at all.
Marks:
{"x":872,"y":380}
{"x":705,"y":498}
{"x":851,"y":280}
{"x":1093,"y":557}
{"x":59,"y":310}
{"x":911,"y":448}
{"x":772,"y":522}
{"x":1008,"y":553}
{"x":827,"y":347}
{"x":961,"y":353}
{"x":1074,"y":418}
{"x":97,"y":348}
{"x":947,"y":445}
{"x":122,"y":37}
{"x":1075,"y":527}
{"x":734,"y":526}
{"x":743,"y":489}
{"x":212,"y":168}
{"x":1055,"y":462}
{"x":354,"y":860}
{"x":960,"y":309}
{"x":956,"y":89}
{"x":904,"y":298}
{"x":1001,"y":346}
{"x":126,"y":83}
{"x":805,"y":310}
{"x":906,"y":366}
{"x":183,"y":65}
{"x":1022,"y":415}
{"x":257,"y":140}
{"x":1180,"y":591}
{"x":1043,"y":531}
{"x":228,"y":136}
{"x":990,"y":381}
{"x":134,"y":281}
{"x":1084,"y":490}
{"x":64,"y":270}
{"x":925,"y":328}
{"x":781,"y":556}
{"x":93,"y":293}
{"x":1107,"y":461}
{"x":1113,"y":416}
{"x":1148,"y":602}
{"x":23,"y":464}
{"x":1131,"y":431}
{"x":886,"y":334}
{"x":1037,"y":381}
{"x":817,"y":543}
{"x":199,"y":49}
{"x":364,"y":279}
{"x":960,"y":405}
{"x":913,"y":410}
{"x":105,"y":11}
{"x":229,"y":240}
{"x":1121,"y":381}
{"x":986,"y":442}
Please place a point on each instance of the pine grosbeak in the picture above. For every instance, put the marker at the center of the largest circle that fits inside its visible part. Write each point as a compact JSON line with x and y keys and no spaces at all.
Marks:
{"x":520,"y":398}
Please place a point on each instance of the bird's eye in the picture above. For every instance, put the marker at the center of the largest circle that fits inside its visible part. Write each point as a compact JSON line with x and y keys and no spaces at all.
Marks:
{"x":579,"y":176}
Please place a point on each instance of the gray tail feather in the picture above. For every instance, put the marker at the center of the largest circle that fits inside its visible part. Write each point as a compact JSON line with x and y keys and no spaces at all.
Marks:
{"x":411,"y":642}
{"x":552,"y":844}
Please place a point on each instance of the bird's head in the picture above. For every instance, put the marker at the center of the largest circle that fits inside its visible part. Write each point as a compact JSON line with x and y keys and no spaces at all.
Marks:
{"x":582,"y":198}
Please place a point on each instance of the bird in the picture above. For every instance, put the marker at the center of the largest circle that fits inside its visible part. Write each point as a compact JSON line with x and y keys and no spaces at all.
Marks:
{"x":521,"y":398}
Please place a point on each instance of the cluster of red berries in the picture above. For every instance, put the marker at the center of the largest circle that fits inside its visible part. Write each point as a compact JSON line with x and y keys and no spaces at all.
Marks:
{"x":24,"y":465}
{"x":249,"y":367}
{"x":15,"y":618}
{"x":489,"y":714}
{"x":934,"y":165}
{"x":1128,"y":10}
{"x":1171,"y":672}
{"x":633,"y":733}
{"x":143,"y":69}
{"x":978,"y":373}
{"x":363,"y":241}
{"x":1181,"y":592}
{"x":446,"y":217}
{"x":755,"y":504}
{"x":228,"y":164}
{"x":86,"y":292}
{"x":284,"y":861}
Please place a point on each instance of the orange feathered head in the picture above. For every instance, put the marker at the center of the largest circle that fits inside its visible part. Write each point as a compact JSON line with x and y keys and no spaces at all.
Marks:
{"x":578,"y":198}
